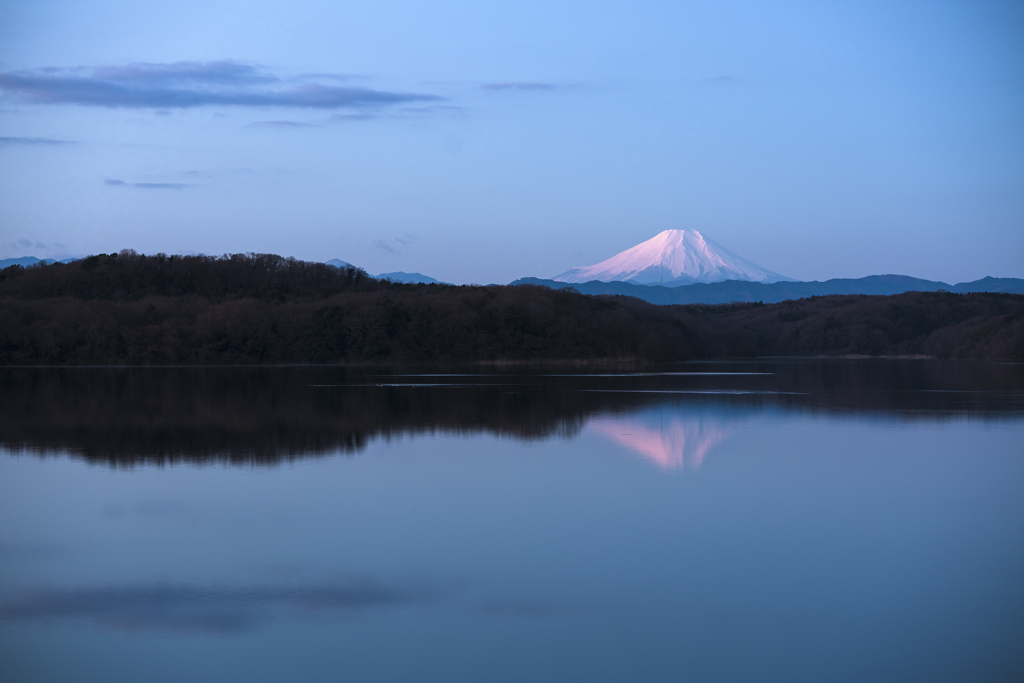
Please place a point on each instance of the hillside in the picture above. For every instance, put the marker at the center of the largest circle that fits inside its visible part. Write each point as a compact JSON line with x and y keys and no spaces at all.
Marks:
{"x":263,"y":309}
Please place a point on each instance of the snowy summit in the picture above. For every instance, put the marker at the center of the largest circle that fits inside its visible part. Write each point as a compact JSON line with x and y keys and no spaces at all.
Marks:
{"x":676,"y":257}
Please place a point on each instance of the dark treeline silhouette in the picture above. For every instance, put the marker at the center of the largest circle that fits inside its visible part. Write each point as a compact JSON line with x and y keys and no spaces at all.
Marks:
{"x":263,"y":416}
{"x":133,"y":309}
{"x":941,"y":324}
{"x":129,"y":276}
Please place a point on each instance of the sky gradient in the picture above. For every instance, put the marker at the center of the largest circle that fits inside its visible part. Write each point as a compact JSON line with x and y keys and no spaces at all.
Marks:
{"x":481,"y":144}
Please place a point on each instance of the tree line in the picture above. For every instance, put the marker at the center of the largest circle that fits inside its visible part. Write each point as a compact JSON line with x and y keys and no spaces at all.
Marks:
{"x":134,"y":309}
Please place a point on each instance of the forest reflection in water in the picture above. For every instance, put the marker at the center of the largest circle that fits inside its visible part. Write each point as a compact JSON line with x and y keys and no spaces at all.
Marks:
{"x":790,"y":520}
{"x":672,"y":416}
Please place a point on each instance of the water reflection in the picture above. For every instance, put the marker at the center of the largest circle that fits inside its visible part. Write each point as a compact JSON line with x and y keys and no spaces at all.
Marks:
{"x":185,"y":607}
{"x":664,"y":436}
{"x":254,"y":416}
{"x":836,"y":530}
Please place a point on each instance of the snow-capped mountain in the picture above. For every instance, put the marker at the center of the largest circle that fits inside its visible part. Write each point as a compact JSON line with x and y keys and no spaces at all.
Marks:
{"x":674,"y":257}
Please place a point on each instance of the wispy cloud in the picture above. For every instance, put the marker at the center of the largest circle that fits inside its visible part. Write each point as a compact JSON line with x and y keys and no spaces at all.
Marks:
{"x":357,"y":116}
{"x":401,"y":113}
{"x":146,"y":186}
{"x":520,"y":86}
{"x":432,"y":109}
{"x":27,"y":244}
{"x":279,"y":124}
{"x":384,"y":246}
{"x":392,"y":245}
{"x":181,"y":85}
{"x":6,"y":140}
{"x":327,"y":76}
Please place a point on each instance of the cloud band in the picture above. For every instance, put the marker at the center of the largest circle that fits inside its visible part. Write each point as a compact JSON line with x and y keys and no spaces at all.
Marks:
{"x":183,"y":85}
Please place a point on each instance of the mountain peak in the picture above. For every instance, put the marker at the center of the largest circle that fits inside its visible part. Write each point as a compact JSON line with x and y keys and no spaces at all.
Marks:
{"x":673,"y":257}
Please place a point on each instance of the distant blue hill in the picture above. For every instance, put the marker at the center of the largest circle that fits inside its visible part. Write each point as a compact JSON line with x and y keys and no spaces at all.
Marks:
{"x":1008,"y":285}
{"x":397,"y":276}
{"x":738,"y":290}
{"x":26,"y":261}
{"x":409,"y":278}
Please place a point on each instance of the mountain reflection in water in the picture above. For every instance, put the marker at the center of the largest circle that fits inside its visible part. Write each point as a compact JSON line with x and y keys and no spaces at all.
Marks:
{"x":262,"y":416}
{"x":666,"y":438}
{"x":775,"y":520}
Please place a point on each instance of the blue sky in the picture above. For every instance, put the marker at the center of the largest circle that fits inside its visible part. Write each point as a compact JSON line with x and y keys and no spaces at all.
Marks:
{"x":481,"y":143}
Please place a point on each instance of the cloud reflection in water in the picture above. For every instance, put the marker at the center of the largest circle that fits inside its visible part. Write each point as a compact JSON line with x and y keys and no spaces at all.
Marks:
{"x":185,"y":607}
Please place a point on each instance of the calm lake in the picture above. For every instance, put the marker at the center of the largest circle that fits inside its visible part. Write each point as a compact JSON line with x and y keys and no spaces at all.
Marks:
{"x":773,"y":520}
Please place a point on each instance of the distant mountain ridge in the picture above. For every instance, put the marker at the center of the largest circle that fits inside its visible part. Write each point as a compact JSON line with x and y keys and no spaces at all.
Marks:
{"x":728,"y":291}
{"x":731,"y":291}
{"x":673,"y":257}
{"x":26,"y":261}
{"x":409,"y":278}
{"x":396,"y":276}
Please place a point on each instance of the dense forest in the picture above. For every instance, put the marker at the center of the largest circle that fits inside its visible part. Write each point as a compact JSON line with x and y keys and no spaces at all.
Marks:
{"x":132,"y":309}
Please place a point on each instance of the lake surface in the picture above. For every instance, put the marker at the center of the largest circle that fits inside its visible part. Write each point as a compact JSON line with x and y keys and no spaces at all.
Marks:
{"x":777,"y":520}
